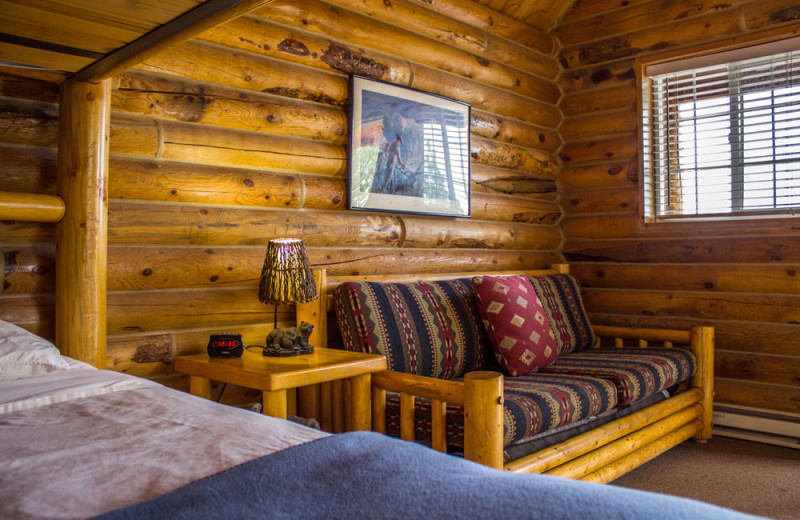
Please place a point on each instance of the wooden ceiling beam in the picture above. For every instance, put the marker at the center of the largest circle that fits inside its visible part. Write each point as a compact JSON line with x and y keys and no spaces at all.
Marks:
{"x":179,"y":30}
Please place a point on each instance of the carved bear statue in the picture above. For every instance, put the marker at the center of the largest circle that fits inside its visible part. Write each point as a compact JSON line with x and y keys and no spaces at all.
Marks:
{"x":290,"y":341}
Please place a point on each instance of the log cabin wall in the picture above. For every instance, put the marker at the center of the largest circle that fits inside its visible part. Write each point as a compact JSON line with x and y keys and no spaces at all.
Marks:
{"x":239,"y":136}
{"x":740,"y":278}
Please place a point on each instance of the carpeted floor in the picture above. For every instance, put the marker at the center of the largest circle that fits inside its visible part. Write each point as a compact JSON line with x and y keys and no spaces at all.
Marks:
{"x":751,"y":477}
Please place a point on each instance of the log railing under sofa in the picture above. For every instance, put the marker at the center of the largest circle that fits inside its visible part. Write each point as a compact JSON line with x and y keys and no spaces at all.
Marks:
{"x":600,"y":454}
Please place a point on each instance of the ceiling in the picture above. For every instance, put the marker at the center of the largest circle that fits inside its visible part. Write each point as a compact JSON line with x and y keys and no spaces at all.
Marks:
{"x":540,"y":14}
{"x":68,"y":35}
{"x":95,"y":38}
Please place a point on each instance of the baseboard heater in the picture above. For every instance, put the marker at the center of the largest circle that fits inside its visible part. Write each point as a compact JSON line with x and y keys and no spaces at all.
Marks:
{"x":758,"y":425}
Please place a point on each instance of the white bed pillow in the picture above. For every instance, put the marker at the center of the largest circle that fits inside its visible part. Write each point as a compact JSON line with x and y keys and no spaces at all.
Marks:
{"x":23,"y":354}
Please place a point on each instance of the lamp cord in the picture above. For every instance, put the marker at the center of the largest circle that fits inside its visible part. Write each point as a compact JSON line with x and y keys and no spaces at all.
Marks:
{"x":222,"y":390}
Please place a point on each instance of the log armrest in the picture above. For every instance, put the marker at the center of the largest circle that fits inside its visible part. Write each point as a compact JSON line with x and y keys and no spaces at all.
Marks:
{"x":700,"y":340}
{"x":481,"y":395}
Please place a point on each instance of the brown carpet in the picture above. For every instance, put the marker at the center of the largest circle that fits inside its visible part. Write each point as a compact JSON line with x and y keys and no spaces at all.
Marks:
{"x":751,"y":477}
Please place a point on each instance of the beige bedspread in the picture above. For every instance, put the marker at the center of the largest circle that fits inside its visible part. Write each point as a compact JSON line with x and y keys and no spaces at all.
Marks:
{"x":93,"y":441}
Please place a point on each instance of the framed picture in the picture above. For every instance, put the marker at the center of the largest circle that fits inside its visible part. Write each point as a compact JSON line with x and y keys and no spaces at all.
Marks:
{"x":409,"y":151}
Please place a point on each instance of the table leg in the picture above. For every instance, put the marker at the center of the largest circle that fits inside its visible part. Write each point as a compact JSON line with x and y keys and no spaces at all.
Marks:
{"x":361,"y":410}
{"x":200,"y":386}
{"x":275,"y":403}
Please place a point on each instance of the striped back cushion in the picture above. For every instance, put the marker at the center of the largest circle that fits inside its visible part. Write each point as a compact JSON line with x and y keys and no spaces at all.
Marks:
{"x":561,"y":297}
{"x":431,"y":329}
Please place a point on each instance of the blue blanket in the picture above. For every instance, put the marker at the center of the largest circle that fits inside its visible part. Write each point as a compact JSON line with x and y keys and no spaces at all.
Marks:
{"x":367,"y":475}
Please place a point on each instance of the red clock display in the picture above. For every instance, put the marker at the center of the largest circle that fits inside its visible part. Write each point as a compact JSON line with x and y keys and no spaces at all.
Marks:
{"x":225,"y":345}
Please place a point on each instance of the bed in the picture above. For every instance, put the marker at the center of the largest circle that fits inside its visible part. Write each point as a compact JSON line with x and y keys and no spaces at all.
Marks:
{"x":79,"y":442}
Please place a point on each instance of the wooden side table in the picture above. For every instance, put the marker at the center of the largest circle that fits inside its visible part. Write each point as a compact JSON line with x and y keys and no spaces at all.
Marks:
{"x":275,"y":375}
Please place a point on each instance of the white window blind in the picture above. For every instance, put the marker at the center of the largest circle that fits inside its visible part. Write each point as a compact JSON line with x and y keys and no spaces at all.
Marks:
{"x":722,"y":139}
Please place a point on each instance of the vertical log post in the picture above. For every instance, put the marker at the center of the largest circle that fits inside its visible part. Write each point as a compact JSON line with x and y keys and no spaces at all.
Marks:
{"x":81,"y":236}
{"x":702,"y":346}
{"x":483,"y":418}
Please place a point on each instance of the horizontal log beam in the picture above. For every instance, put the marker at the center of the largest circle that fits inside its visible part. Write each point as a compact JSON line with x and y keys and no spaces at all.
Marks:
{"x":28,"y":169}
{"x":32,"y":312}
{"x":132,"y":223}
{"x":513,"y":209}
{"x":32,"y":123}
{"x":684,"y":250}
{"x":608,"y":174}
{"x":610,"y":200}
{"x":31,"y":207}
{"x":16,"y":232}
{"x":633,"y":18}
{"x":14,"y":86}
{"x":653,"y":39}
{"x":503,"y":155}
{"x":764,"y":368}
{"x":199,"y":61}
{"x":361,"y":30}
{"x":491,"y":179}
{"x":714,"y":277}
{"x":263,"y":37}
{"x":745,"y":307}
{"x":181,"y":100}
{"x":758,"y":15}
{"x":612,"y":149}
{"x":455,"y":33}
{"x":598,"y":100}
{"x":595,"y":125}
{"x":178,"y":99}
{"x":616,"y":74}
{"x":500,"y":128}
{"x":626,"y":225}
{"x":492,"y":20}
{"x":142,"y":179}
{"x":150,"y":311}
{"x":783,"y":398}
{"x":28,"y":268}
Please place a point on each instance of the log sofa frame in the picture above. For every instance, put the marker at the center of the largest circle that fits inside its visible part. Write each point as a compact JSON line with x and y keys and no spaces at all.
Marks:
{"x":599,"y":455}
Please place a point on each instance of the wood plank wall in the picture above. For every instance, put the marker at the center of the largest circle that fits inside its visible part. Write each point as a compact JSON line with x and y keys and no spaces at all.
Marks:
{"x":742,"y":278}
{"x":239,"y":136}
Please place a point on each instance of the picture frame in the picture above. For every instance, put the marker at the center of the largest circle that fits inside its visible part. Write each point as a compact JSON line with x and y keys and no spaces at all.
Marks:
{"x":409,"y":150}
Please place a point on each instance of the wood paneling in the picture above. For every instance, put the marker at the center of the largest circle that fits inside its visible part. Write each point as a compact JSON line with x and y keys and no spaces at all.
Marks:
{"x":740,"y":277}
{"x":238,"y":136}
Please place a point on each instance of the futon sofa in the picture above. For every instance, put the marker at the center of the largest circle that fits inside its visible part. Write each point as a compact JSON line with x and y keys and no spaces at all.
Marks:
{"x":506,"y":369}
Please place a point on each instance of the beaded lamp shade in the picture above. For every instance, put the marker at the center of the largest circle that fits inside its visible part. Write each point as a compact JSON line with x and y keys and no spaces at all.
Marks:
{"x":286,"y":276}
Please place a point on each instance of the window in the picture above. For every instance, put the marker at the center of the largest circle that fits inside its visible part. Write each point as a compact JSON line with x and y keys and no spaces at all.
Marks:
{"x":721,"y":134}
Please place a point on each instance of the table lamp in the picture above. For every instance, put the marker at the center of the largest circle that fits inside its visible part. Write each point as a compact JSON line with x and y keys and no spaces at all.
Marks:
{"x":287,"y":278}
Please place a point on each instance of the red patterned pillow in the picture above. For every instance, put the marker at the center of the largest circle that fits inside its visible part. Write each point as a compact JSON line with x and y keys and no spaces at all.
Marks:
{"x":516,"y":322}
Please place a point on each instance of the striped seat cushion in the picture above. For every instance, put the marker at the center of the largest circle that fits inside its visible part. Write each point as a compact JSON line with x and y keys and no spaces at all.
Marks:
{"x":533,"y":403}
{"x":636,"y":372}
{"x":430,"y":329}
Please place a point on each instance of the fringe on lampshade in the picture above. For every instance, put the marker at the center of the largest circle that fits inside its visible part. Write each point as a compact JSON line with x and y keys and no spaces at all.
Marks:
{"x":286,"y":276}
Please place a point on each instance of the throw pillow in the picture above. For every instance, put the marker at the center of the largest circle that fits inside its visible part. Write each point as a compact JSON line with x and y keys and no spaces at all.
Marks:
{"x":23,"y":354}
{"x":516,"y":322}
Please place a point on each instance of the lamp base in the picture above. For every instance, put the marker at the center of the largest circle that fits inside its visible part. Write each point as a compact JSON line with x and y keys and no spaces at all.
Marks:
{"x":287,"y":352}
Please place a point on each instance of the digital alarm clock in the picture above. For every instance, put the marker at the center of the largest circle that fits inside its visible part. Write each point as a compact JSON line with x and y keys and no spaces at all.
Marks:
{"x":226,"y":345}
